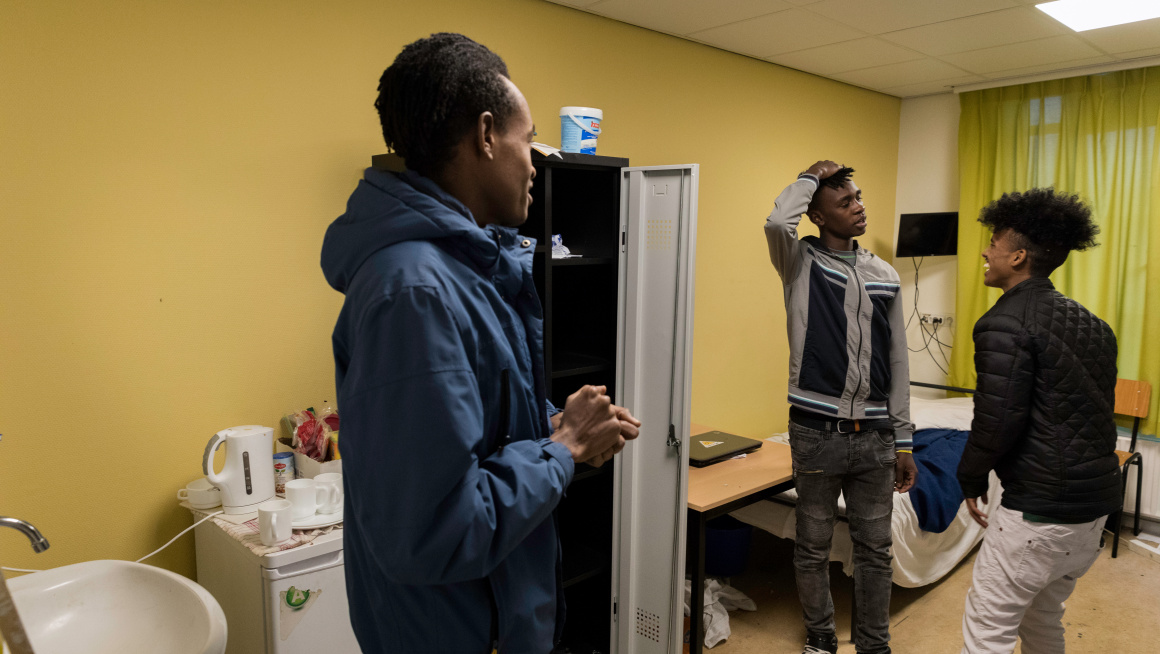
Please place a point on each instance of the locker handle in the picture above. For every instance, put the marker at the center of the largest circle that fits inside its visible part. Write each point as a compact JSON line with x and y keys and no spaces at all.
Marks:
{"x":292,"y":571}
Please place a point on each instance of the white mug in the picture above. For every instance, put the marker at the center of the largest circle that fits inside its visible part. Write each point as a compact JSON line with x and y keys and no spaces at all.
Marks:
{"x":329,"y":486}
{"x":306,"y":497}
{"x":274,"y":522}
{"x":200,"y":494}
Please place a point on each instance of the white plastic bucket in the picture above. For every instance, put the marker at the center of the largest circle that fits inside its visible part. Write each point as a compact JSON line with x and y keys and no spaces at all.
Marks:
{"x":579,"y":127}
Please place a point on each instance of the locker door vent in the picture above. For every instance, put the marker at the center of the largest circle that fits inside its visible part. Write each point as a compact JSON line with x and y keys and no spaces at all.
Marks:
{"x":660,"y":234}
{"x":648,"y":624}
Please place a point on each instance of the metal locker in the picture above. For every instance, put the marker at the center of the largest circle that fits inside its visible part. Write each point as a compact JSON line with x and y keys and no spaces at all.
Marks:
{"x":654,"y":379}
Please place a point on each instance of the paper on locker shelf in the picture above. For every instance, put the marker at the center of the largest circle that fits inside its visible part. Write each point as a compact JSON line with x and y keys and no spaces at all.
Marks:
{"x":546,"y":150}
{"x":559,"y":250}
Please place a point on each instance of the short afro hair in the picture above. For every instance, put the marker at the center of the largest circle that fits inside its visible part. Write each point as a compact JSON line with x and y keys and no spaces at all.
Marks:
{"x":1046,"y":223}
{"x":432,"y":95}
{"x":838,"y":179}
{"x":835,"y":181}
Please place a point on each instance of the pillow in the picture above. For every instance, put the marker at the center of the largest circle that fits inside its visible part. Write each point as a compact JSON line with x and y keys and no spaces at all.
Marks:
{"x":948,"y":413}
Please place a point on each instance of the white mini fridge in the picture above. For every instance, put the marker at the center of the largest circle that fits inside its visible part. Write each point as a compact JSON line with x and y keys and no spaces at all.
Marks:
{"x":289,"y":602}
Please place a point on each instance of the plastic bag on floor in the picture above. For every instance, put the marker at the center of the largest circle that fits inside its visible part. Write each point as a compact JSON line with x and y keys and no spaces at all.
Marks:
{"x":720,"y":598}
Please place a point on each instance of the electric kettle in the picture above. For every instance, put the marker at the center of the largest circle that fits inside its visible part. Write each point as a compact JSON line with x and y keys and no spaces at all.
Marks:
{"x":247,"y":479}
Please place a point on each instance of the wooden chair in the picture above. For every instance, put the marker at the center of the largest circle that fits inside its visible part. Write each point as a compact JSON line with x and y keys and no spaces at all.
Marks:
{"x":1132,"y":399}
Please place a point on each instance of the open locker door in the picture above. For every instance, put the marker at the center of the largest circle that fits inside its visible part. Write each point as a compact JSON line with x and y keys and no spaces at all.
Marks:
{"x":654,"y":377}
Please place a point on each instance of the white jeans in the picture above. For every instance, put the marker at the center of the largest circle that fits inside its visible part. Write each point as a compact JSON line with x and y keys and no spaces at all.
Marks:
{"x":1024,"y":572}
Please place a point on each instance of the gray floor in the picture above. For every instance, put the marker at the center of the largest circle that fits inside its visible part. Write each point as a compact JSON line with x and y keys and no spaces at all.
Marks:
{"x":1115,"y":607}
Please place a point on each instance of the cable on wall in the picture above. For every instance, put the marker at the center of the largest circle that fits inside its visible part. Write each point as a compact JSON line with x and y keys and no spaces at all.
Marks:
{"x":183,"y":532}
{"x":929,"y":333}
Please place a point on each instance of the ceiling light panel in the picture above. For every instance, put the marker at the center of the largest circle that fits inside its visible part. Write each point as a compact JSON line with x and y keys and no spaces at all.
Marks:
{"x":1083,"y":15}
{"x":1125,"y":38}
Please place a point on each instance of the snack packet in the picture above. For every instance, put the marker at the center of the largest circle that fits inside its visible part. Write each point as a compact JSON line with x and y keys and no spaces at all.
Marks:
{"x":310,"y":430}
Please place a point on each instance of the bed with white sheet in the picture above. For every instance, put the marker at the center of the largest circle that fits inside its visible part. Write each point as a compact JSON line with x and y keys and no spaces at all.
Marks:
{"x":921,"y":556}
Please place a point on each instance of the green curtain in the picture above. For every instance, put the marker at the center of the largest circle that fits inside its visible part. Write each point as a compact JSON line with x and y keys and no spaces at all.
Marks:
{"x":1094,"y":136}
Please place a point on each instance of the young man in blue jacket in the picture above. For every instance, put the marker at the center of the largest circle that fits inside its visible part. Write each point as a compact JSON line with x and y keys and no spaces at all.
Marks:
{"x":1044,"y":396}
{"x":452,"y":462}
{"x":849,"y":395}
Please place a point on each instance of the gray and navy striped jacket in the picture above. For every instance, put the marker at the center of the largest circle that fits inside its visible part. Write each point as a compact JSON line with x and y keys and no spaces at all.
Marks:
{"x":847,"y":334}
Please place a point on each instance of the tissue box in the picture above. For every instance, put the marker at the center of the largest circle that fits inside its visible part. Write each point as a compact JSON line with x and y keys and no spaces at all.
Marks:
{"x":304,"y":466}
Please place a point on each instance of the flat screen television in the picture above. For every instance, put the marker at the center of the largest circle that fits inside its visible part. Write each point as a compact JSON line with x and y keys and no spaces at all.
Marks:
{"x":928,"y":234}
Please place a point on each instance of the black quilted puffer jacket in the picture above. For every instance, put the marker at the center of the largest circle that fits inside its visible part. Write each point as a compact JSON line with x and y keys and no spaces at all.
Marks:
{"x":1043,"y":406}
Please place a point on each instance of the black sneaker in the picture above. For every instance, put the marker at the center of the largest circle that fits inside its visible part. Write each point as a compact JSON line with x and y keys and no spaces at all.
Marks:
{"x":821,"y":644}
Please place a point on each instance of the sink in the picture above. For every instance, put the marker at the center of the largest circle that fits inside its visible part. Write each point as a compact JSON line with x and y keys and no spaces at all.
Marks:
{"x":107,"y":607}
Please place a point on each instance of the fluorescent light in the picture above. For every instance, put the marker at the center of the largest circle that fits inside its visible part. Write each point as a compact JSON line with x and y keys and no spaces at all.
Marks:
{"x":1081,"y":15}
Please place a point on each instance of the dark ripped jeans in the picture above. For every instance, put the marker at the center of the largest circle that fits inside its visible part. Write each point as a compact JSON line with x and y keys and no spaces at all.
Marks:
{"x":861,"y":467}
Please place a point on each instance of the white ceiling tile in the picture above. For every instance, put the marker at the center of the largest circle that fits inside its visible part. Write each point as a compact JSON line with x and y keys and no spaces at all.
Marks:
{"x":1054,"y":66}
{"x":976,"y":32}
{"x":1125,"y":38}
{"x":1025,"y":54}
{"x":785,"y":31}
{"x":909,"y":72}
{"x":574,"y":3}
{"x":929,"y":88}
{"x":685,"y":16}
{"x":845,"y":56}
{"x":879,"y":16}
{"x":1137,"y":54}
{"x":965,"y":39}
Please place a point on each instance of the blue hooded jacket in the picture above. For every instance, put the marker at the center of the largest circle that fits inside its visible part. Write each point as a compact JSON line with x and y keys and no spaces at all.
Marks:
{"x":449,"y":536}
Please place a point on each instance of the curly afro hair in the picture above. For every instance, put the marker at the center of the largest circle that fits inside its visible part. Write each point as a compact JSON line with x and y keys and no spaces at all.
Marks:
{"x":1046,"y":223}
{"x":432,"y":95}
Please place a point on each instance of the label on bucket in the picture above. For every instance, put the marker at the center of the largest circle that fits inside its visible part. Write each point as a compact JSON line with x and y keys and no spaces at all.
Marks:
{"x":578,"y":133}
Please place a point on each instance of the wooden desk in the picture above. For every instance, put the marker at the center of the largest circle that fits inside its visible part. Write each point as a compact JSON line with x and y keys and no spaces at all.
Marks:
{"x":718,"y":489}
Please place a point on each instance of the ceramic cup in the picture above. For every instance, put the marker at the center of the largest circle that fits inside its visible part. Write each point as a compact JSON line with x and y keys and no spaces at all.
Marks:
{"x":274,"y":522}
{"x":329,"y":486}
{"x":306,"y":496}
{"x":200,"y":494}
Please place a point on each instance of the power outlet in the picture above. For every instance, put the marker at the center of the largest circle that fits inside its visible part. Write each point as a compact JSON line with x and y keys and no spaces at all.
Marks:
{"x":940,"y":319}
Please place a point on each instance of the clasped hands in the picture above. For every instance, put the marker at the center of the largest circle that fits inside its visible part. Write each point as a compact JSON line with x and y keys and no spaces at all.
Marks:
{"x":593,"y":428}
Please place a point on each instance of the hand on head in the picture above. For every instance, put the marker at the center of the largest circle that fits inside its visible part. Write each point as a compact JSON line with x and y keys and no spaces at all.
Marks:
{"x":823,"y":169}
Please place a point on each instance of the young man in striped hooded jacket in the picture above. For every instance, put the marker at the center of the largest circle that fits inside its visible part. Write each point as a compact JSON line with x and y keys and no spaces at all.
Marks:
{"x":849,"y":426}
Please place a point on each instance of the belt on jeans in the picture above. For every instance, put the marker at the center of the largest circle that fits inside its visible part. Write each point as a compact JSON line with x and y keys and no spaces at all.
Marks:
{"x":842,"y":426}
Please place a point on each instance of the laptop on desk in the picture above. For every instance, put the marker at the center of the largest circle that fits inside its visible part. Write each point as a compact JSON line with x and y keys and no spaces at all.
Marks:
{"x":715,"y":446}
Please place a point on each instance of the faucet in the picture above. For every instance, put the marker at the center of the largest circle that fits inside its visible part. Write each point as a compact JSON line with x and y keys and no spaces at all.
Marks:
{"x":13,"y":628}
{"x":39,"y":543}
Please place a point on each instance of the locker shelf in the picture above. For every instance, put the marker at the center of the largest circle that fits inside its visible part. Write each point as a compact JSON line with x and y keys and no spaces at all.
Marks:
{"x":585,"y":471}
{"x":582,"y":562}
{"x":569,"y":364}
{"x":584,"y":261}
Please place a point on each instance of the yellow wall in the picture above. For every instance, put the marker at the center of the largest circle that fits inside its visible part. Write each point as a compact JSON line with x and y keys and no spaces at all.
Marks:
{"x":167,"y":171}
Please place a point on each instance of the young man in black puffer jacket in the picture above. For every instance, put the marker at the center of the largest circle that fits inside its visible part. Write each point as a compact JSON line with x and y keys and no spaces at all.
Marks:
{"x":1043,"y":421}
